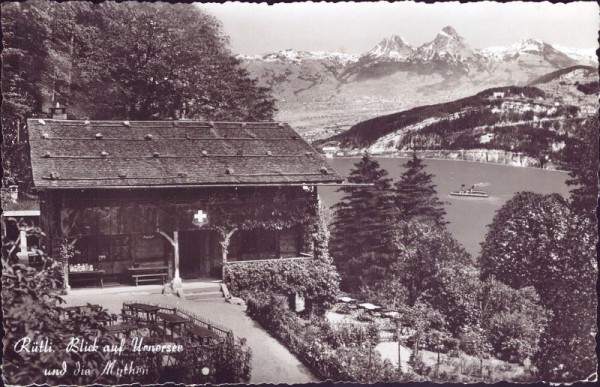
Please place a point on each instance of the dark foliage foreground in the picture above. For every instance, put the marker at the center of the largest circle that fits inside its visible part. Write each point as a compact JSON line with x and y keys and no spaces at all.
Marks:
{"x":34,"y":322}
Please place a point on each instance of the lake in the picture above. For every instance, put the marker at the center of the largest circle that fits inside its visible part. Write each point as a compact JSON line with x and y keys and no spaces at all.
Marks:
{"x":468,"y":217}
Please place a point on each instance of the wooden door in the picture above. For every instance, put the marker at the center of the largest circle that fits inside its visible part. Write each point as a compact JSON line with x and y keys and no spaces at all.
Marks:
{"x":194,"y":254}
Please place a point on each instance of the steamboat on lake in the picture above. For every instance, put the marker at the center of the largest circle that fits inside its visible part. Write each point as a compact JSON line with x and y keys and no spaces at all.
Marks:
{"x":471,"y":192}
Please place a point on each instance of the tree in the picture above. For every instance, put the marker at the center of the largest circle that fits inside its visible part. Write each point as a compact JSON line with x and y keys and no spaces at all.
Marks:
{"x":534,"y":240}
{"x":512,"y":320}
{"x":411,"y":268}
{"x":25,"y":64}
{"x":475,"y":342}
{"x":584,"y":171}
{"x":361,"y":227}
{"x":416,"y":196}
{"x":455,"y":293}
{"x":421,"y":250}
{"x":540,"y":241}
{"x":390,"y":291}
{"x":426,"y":322}
{"x":155,"y":60}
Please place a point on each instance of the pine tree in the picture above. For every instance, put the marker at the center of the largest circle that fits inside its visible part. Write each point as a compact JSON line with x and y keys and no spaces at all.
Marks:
{"x":416,"y":197}
{"x":584,"y":171}
{"x":361,"y":229}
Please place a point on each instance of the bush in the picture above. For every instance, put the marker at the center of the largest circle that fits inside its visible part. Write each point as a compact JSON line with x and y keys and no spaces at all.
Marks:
{"x":229,"y":362}
{"x":340,"y":354}
{"x":31,"y":307}
{"x":589,"y":88}
{"x":314,"y":279}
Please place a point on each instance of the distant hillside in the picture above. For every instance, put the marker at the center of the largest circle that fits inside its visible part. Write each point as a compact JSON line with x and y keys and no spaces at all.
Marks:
{"x":368,"y":132}
{"x":540,"y":122}
{"x":558,"y":73}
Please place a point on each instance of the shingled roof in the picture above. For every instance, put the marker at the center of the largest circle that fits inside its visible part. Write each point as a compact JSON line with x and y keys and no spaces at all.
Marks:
{"x":100,"y":154}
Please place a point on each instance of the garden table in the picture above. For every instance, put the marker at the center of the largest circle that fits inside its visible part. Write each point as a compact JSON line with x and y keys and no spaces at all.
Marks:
{"x":369,"y":306}
{"x":172,"y":321}
{"x":120,"y":328}
{"x":149,"y":310}
{"x":204,"y":335}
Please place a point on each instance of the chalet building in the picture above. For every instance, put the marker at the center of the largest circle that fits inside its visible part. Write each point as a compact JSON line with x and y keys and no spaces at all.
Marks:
{"x":174,"y":198}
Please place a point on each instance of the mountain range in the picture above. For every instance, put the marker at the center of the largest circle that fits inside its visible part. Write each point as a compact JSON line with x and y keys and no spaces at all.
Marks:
{"x":323,"y":93}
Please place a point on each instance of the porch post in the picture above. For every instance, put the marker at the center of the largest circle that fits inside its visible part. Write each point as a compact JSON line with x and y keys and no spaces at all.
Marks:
{"x":67,"y":286}
{"x":176,"y":279}
{"x":176,"y":283}
{"x":23,"y":255}
{"x":225,"y":249}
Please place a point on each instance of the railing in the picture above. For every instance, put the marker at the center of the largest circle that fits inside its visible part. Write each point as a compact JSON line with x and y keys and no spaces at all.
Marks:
{"x":219,"y":330}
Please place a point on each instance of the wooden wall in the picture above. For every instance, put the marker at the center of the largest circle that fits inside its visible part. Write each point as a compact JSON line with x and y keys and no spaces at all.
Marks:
{"x":122,"y":224}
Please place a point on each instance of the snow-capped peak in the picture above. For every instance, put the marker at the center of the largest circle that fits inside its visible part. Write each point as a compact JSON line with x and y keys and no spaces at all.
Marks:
{"x":530,"y":45}
{"x":449,"y":32}
{"x":525,"y":46}
{"x":392,"y":48}
{"x":585,"y":56}
{"x":447,"y":44}
{"x":291,"y":55}
{"x":444,"y":35}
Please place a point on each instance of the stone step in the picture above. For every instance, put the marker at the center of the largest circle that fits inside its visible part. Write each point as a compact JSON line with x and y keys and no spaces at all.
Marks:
{"x":204,"y":289}
{"x":204,"y":296}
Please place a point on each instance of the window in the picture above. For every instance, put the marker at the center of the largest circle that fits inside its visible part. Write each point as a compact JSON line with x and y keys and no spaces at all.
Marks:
{"x":264,"y":244}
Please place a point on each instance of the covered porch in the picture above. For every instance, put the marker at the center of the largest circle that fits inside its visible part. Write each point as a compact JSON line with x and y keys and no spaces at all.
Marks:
{"x":140,"y":239}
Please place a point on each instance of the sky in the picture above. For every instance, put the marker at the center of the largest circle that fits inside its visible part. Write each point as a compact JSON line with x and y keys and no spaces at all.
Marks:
{"x":358,"y":27}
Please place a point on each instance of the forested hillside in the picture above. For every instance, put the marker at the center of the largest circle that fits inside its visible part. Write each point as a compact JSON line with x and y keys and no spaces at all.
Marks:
{"x":117,"y":61}
{"x":541,"y":122}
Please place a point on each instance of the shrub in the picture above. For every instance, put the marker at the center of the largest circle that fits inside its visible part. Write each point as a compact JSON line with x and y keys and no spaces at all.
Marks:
{"x":341,"y":354}
{"x":314,"y":279}
{"x":31,"y":307}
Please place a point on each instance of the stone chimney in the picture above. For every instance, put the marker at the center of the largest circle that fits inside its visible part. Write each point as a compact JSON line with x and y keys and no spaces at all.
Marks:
{"x":58,"y":112}
{"x":14,"y":192}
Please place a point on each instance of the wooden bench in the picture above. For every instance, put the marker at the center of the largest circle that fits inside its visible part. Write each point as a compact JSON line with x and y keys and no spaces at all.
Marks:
{"x":87,"y":276}
{"x":150,"y":277}
{"x":148,"y":273}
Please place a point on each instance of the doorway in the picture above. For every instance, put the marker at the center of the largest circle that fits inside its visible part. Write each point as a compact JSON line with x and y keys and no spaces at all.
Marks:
{"x":197,"y":254}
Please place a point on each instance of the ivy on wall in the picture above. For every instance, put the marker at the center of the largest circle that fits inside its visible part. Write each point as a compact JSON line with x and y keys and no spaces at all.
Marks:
{"x":314,"y":279}
{"x":244,"y":209}
{"x":267,"y":210}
